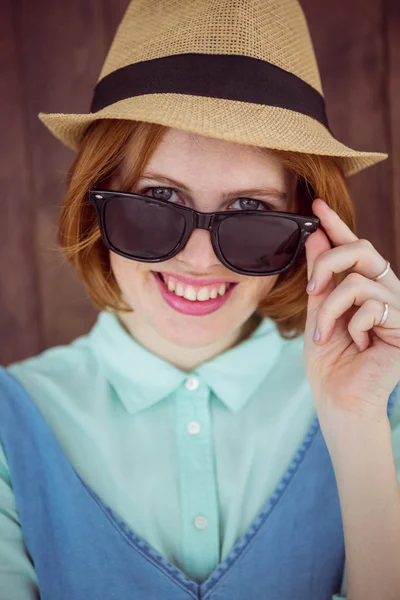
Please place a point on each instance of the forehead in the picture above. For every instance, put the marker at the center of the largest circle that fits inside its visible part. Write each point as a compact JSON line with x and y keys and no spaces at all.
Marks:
{"x":196,"y":158}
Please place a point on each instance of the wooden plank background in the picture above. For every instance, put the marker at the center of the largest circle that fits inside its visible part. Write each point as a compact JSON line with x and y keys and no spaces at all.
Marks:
{"x":51,"y":53}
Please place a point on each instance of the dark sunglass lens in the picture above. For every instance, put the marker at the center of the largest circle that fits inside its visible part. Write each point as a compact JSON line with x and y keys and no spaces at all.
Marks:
{"x":142,"y":228}
{"x":258,"y":243}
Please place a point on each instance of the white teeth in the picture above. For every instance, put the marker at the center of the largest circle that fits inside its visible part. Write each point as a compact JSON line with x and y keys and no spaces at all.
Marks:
{"x":191,"y":293}
{"x":203,"y":294}
{"x":179,"y":291}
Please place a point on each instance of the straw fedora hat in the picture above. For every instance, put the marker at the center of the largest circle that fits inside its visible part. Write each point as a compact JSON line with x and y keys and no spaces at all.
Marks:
{"x":240,"y":70}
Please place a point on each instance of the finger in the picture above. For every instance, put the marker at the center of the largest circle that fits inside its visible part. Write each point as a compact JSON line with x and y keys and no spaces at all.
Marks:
{"x":317,"y":243}
{"x":354,"y":290}
{"x":338,"y":232}
{"x":368,"y":317}
{"x":360,"y":256}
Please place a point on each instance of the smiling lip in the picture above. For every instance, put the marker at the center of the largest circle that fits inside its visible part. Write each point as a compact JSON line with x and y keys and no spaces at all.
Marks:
{"x":194,"y":308}
{"x":198,"y":281}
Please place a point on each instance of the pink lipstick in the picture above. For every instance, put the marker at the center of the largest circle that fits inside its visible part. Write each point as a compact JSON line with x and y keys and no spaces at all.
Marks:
{"x":191,"y":307}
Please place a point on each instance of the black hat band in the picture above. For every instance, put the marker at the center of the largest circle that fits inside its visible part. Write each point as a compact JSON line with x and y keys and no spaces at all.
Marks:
{"x":227,"y":76}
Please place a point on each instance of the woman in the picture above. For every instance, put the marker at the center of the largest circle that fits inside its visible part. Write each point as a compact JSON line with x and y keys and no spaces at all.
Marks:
{"x":200,"y":441}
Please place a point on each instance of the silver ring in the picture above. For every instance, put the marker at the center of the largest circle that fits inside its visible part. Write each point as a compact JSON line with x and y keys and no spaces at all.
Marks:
{"x":385,"y":314}
{"x":384,"y":272}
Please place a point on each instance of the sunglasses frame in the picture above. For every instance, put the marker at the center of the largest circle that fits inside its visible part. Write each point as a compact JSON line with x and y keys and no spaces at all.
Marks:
{"x":201,"y":220}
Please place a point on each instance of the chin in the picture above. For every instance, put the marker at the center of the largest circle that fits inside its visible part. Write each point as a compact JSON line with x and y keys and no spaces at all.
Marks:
{"x":194,"y":332}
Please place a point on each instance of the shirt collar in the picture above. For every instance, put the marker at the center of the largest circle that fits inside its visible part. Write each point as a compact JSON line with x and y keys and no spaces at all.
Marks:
{"x":141,"y":378}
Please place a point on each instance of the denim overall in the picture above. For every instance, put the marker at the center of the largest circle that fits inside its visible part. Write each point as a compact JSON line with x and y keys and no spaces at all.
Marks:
{"x":82,"y":550}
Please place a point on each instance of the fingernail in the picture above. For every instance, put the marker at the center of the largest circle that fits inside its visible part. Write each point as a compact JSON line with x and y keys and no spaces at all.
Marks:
{"x":317,"y":335}
{"x":311,"y":285}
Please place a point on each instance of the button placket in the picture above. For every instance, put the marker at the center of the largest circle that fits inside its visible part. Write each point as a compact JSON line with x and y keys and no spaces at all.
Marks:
{"x":192,"y":384}
{"x":197,"y":482}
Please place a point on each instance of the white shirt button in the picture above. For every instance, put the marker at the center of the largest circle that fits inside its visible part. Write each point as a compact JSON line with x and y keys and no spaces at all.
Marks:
{"x":192,"y":383}
{"x":193,"y":427}
{"x":200,"y":522}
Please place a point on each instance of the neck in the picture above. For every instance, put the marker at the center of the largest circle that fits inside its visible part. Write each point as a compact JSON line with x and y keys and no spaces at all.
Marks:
{"x":185,"y":359}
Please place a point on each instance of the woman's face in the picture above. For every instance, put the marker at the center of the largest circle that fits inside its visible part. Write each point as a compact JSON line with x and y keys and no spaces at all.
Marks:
{"x":209,"y":175}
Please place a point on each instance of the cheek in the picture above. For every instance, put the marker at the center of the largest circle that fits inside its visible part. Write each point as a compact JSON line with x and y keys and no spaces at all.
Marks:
{"x":126,"y":272}
{"x":261,"y":286}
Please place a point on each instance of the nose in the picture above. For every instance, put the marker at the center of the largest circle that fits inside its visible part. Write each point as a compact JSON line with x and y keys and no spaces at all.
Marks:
{"x":198,"y":255}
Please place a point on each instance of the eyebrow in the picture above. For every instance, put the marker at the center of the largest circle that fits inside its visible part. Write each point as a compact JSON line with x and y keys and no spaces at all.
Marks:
{"x":264,"y":191}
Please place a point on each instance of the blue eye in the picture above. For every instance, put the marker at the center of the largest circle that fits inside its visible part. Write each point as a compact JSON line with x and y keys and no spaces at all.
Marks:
{"x":250,"y":204}
{"x":164,"y":193}
{"x":158,"y":196}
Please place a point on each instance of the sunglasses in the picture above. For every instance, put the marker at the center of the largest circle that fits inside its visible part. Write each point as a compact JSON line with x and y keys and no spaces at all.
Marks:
{"x":249,"y":242}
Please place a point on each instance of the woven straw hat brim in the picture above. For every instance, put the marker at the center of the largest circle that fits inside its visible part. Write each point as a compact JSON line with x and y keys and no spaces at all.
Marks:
{"x":234,"y":121}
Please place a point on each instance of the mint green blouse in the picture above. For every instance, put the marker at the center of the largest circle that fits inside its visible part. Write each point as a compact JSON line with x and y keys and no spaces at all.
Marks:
{"x":186,"y":459}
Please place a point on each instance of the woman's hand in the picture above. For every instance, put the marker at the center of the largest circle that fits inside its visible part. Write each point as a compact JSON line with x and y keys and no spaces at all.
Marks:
{"x":355,"y":365}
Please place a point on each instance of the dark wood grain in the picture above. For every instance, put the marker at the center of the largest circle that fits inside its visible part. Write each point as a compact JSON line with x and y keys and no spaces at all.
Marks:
{"x":392,"y":31}
{"x":63,"y":46}
{"x":20,"y":310}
